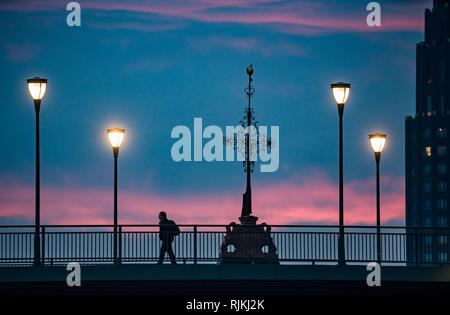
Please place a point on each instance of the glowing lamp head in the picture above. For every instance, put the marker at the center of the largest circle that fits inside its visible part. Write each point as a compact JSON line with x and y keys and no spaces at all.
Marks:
{"x":115,"y":136}
{"x":377,"y":141}
{"x":37,"y":87}
{"x":341,"y":92}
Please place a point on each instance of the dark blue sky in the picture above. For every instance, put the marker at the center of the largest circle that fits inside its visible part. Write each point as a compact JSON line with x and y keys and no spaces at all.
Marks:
{"x":148,"y":70}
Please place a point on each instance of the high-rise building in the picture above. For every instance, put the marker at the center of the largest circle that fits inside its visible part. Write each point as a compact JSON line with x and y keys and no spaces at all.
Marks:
{"x":427,"y":139}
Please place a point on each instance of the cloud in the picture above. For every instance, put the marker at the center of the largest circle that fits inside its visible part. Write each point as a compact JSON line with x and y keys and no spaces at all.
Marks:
{"x":20,"y":52}
{"x":264,"y":48}
{"x":311,"y":199}
{"x":300,"y":17}
{"x":152,"y":65}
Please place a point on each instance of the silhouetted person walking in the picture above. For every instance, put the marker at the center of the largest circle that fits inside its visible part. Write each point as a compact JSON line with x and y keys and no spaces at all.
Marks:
{"x":167,"y":232}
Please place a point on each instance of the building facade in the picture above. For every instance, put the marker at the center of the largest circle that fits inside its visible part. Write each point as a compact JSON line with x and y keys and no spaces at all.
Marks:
{"x":427,"y":140}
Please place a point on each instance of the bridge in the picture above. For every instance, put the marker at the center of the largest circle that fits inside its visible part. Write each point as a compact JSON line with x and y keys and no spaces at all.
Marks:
{"x":306,"y":257}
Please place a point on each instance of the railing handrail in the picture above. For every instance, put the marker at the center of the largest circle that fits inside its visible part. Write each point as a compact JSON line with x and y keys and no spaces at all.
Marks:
{"x":94,"y":243}
{"x":227,"y":225}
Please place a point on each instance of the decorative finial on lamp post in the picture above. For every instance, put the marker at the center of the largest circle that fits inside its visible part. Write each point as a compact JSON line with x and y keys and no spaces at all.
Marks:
{"x":250,"y":70}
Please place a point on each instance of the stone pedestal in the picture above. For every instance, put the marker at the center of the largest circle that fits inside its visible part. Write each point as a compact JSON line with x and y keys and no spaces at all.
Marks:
{"x":248,"y":243}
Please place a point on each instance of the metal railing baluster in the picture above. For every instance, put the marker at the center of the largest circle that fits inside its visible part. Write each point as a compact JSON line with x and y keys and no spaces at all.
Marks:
{"x":201,"y":244}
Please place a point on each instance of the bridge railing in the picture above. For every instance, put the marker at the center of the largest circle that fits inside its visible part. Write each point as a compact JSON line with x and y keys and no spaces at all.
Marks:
{"x":293,"y":244}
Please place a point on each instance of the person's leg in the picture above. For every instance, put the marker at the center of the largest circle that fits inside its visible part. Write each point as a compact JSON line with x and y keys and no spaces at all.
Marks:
{"x":162,"y":252}
{"x":171,"y":253}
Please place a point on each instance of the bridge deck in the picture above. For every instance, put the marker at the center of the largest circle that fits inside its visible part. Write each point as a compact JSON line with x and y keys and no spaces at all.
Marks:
{"x":225,"y":279}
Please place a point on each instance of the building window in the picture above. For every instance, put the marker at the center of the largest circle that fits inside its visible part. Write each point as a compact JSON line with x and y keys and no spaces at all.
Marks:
{"x":427,"y":187}
{"x":443,"y":239}
{"x":441,"y":132}
{"x":429,"y":105}
{"x":442,"y":105}
{"x":427,"y":204}
{"x":442,"y":150}
{"x":428,"y":72}
{"x":428,"y":257}
{"x":427,"y":133}
{"x":442,"y":204}
{"x":428,"y":221}
{"x":443,"y":256}
{"x":442,"y":168}
{"x":427,"y":169}
{"x":428,"y":239}
{"x":442,"y":221}
{"x":443,"y":65}
{"x":442,"y":186}
{"x":427,"y":151}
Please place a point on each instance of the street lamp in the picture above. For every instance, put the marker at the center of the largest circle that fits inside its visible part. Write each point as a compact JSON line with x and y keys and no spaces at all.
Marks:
{"x":377,"y":141}
{"x":115,"y":136}
{"x":37,"y":87}
{"x":341,"y":92}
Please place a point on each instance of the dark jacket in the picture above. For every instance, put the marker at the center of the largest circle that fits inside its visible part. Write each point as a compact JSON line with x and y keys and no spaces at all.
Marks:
{"x":166,"y":232}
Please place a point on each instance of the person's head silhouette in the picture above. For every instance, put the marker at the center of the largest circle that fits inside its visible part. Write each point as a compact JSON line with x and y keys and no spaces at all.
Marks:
{"x":162,"y":215}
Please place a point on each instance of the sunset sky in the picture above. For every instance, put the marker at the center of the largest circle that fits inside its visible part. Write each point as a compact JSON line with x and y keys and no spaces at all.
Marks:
{"x":148,"y":66}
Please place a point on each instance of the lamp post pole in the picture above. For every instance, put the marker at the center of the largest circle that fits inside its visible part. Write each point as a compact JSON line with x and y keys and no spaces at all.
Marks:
{"x":252,"y":143}
{"x":377,"y":159}
{"x":341,"y":92}
{"x":37,"y":87}
{"x":115,"y":136}
{"x":116,"y":154}
{"x":377,"y":141}
{"x":37,"y":216}
{"x":247,"y":199}
{"x":341,"y":249}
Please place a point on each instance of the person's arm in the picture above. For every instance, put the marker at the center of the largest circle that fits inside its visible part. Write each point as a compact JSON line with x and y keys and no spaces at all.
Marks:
{"x":163,"y":228}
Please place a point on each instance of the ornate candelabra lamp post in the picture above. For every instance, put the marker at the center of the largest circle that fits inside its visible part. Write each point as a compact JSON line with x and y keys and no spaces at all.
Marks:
{"x":247,"y":122}
{"x":248,"y":238}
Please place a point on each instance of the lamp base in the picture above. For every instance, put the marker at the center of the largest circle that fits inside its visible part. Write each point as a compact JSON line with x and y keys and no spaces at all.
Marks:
{"x":248,"y":220}
{"x":248,"y":243}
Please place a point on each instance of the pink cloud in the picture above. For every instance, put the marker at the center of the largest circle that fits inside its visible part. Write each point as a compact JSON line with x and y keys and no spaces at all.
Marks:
{"x":138,"y":25}
{"x":302,"y":17}
{"x":264,"y":48}
{"x":20,"y":52}
{"x":312,"y":200}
